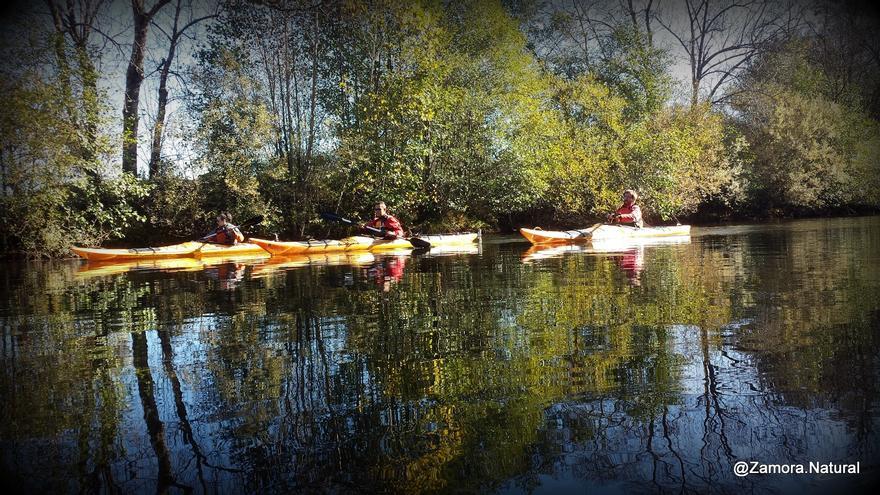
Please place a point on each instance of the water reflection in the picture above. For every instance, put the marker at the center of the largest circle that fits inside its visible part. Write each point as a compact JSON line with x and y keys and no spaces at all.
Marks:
{"x":473,"y":371}
{"x":227,"y":275}
{"x":628,"y":254}
{"x":387,"y":270}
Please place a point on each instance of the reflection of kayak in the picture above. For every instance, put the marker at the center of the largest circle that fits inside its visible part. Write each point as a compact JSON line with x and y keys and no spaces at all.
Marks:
{"x":190,"y":249}
{"x":453,"y":250}
{"x":620,"y":244}
{"x":546,"y":251}
{"x":353,"y":258}
{"x":601,"y":246}
{"x":105,"y":268}
{"x":358,"y":243}
{"x":277,"y":263}
{"x":537,"y":236}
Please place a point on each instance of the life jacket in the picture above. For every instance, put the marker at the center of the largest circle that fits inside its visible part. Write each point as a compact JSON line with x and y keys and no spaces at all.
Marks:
{"x":389,"y":223}
{"x":630,"y":214}
{"x":228,"y":234}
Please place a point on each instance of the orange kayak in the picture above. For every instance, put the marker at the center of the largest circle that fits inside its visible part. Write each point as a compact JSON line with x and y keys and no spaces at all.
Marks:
{"x":190,"y":249}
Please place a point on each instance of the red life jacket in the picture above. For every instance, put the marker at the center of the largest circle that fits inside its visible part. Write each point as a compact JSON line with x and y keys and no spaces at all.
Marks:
{"x":389,"y":223}
{"x":630,"y":214}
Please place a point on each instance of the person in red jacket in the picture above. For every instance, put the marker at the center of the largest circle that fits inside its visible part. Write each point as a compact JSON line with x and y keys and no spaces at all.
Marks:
{"x":629,"y":213}
{"x":225,"y":233}
{"x":389,"y":225}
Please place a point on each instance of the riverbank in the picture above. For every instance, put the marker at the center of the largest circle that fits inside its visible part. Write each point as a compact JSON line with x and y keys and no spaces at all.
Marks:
{"x":335,"y":232}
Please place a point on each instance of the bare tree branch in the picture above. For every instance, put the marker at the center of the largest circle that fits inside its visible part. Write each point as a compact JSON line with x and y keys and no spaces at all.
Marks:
{"x":721,"y":37}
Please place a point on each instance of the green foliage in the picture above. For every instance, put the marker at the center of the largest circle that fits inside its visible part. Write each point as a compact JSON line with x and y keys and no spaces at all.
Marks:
{"x":56,"y":191}
{"x":637,"y":70}
{"x":678,"y":160}
{"x":674,"y":157}
{"x":445,"y":131}
{"x":813,"y":147}
{"x":174,"y":210}
{"x":233,"y":132}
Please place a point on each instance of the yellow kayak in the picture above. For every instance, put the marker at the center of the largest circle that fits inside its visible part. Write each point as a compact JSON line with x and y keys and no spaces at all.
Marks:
{"x":190,"y":249}
{"x":358,"y":243}
{"x":603,"y":232}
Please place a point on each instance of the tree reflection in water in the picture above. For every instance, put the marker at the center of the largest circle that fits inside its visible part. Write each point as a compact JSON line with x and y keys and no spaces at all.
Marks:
{"x":471,"y":372}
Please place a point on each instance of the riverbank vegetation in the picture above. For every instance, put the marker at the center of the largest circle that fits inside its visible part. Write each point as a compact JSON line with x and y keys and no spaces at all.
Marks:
{"x":487,"y":114}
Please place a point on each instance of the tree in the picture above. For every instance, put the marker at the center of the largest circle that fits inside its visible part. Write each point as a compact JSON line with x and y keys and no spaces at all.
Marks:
{"x":134,"y":77}
{"x":813,"y":150}
{"x":174,"y":37}
{"x":233,"y":135}
{"x":76,"y":22}
{"x":720,"y":38}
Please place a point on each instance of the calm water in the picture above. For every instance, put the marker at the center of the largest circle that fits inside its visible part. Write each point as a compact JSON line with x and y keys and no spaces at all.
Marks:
{"x":602,"y":370}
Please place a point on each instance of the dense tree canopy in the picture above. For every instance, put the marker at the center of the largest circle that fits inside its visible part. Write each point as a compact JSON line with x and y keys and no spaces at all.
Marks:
{"x":458,"y":115}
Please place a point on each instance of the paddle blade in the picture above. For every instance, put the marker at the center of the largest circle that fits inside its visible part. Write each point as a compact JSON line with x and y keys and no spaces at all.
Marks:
{"x":588,"y":232}
{"x":419,"y":243}
{"x":250,"y":222}
{"x":332,"y":217}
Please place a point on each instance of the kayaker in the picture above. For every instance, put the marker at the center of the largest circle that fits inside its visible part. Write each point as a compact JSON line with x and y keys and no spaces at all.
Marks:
{"x":225,"y":233}
{"x":629,"y":213}
{"x":390,"y":226}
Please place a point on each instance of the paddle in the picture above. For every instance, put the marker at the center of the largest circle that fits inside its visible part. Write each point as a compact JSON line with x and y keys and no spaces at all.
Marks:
{"x":247,"y":223}
{"x":589,"y":231}
{"x":415,"y":241}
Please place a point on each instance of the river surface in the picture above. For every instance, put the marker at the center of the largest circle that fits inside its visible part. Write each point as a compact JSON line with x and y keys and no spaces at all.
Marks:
{"x":597,"y":369}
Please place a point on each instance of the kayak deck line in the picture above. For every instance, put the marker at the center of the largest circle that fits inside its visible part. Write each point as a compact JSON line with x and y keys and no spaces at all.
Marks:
{"x":538,"y":236}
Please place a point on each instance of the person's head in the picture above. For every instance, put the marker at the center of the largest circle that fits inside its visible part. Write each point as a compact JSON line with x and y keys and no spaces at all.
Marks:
{"x":380,"y":210}
{"x":223,"y":219}
{"x":630,"y":196}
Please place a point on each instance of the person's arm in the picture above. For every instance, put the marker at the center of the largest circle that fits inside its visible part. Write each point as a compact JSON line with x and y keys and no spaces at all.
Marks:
{"x":392,"y":226}
{"x":237,"y":234}
{"x":614,"y":216}
{"x":210,"y":235}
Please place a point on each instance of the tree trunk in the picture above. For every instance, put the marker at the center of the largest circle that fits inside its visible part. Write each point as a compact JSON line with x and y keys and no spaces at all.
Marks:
{"x":314,"y":91}
{"x":159,"y":126}
{"x":134,"y":77}
{"x":59,"y":47}
{"x":695,"y":92}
